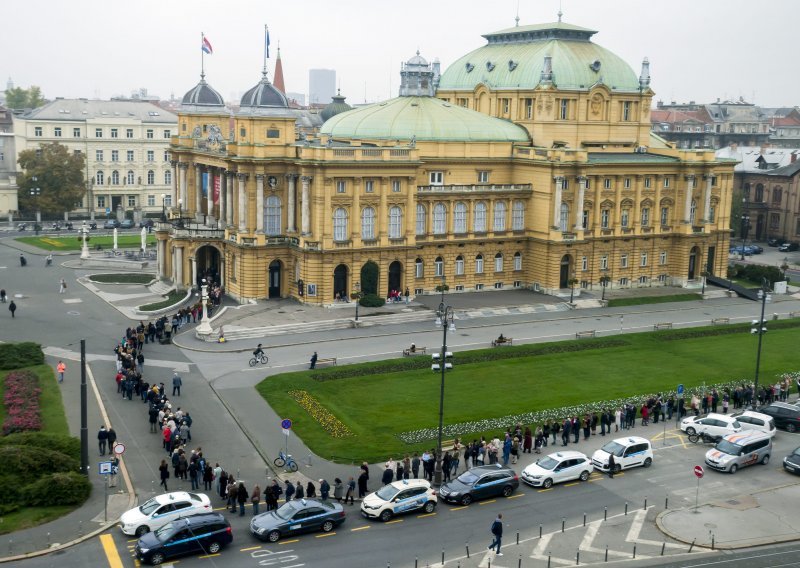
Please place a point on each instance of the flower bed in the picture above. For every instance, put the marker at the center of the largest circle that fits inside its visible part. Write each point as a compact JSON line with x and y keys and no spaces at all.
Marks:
{"x":326,"y":419}
{"x":21,"y":401}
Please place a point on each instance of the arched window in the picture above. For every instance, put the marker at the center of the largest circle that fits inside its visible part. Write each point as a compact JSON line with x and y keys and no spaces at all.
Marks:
{"x":340,"y":225}
{"x":759,"y":193}
{"x":459,"y":265}
{"x":517,"y":261}
{"x":368,"y":223}
{"x":422,"y":219}
{"x":99,"y":178}
{"x":499,"y":216}
{"x":479,"y":264}
{"x":151,"y":177}
{"x":498,"y":262}
{"x":479,"y":223}
{"x":419,"y":268}
{"x":272,"y":221}
{"x":438,"y":266}
{"x":115,"y":177}
{"x":168,"y":177}
{"x":439,"y":219}
{"x":693,"y":211}
{"x":563,"y":221}
{"x":518,"y":216}
{"x":395,"y":222}
{"x":460,"y":218}
{"x":712,"y":213}
{"x":130,"y":177}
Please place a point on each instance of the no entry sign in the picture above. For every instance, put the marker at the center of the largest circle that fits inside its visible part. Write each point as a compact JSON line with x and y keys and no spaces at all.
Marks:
{"x":698,"y":471}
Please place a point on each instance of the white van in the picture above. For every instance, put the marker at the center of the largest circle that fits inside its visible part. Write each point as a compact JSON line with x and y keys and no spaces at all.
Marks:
{"x":735,"y":451}
{"x":628,"y":452}
{"x":756,"y":421}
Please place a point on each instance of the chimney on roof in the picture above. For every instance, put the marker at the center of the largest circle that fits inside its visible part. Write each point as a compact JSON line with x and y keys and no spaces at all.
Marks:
{"x":793,"y":157}
{"x":659,"y":104}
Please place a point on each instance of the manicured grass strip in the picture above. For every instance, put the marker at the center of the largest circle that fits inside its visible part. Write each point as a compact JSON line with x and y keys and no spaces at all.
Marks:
{"x":619,"y":302}
{"x":72,"y":242}
{"x":28,"y":517}
{"x":127,"y":278}
{"x":378,"y":407}
{"x":172,"y":298}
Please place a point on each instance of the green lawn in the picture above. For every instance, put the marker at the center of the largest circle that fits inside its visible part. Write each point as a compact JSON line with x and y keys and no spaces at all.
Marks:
{"x":618,"y":302}
{"x":74,"y":243}
{"x":28,"y":517}
{"x":376,"y":408}
{"x":125,"y":278}
{"x":173,"y":298}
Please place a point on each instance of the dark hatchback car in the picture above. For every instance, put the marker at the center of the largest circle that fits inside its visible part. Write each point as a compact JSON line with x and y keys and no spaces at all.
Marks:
{"x":199,"y":534}
{"x":791,"y":463}
{"x":787,"y":416}
{"x":111,"y":224}
{"x":298,"y":516}
{"x":480,"y":482}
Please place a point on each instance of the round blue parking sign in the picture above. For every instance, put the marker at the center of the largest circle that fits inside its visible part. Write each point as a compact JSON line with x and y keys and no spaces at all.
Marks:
{"x":680,"y":389}
{"x":286,"y":424}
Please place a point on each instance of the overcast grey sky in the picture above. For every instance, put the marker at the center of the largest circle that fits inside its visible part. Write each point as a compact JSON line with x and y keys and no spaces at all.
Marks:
{"x":698,"y":49}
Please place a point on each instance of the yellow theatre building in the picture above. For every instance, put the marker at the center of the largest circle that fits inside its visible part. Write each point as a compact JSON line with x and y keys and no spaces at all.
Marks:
{"x":528,"y":163}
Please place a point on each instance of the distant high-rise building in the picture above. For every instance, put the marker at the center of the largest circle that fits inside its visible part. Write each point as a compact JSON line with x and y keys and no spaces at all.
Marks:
{"x":321,"y":86}
{"x":299,"y":98}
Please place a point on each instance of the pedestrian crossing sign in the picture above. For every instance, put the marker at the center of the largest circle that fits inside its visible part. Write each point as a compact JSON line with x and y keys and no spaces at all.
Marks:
{"x":105,"y":468}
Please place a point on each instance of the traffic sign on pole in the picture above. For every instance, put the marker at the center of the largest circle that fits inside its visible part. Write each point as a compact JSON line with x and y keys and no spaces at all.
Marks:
{"x":119,"y":448}
{"x":680,"y":389}
{"x":286,"y":424}
{"x":105,"y":468}
{"x":698,"y":471}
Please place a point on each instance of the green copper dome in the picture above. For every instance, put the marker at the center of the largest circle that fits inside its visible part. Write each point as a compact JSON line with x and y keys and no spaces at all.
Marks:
{"x":514,"y":59}
{"x":421,"y":118}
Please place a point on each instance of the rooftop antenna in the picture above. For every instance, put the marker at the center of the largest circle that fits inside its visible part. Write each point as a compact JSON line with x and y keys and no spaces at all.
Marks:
{"x":516,"y":20}
{"x":560,"y":13}
{"x":365,"y":91}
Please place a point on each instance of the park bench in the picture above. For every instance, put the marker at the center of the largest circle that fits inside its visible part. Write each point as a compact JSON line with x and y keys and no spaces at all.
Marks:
{"x":662,"y":325}
{"x":720,"y":321}
{"x":585,"y":334}
{"x":327,"y":361}
{"x":417,"y":351}
{"x":505,"y":341}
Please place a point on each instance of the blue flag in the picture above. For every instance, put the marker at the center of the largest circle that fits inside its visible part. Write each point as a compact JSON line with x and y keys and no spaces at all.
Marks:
{"x":267,"y":45}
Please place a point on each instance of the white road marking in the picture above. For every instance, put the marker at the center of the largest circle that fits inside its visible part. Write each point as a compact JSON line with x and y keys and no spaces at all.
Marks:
{"x":61,"y":353}
{"x":72,"y":300}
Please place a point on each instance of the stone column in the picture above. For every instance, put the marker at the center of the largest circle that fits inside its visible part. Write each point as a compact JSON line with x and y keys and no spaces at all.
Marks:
{"x":179,"y":268}
{"x":222,"y":270}
{"x":183,"y":168}
{"x":291,"y":205}
{"x":557,"y":202}
{"x":198,"y":190}
{"x":160,"y":258}
{"x":242,"y":203}
{"x":173,"y":191}
{"x":223,"y":188}
{"x":210,"y":200}
{"x":193,"y":263}
{"x":229,"y":198}
{"x":306,"y":212}
{"x":579,"y":203}
{"x":260,"y":203}
{"x":637,"y":203}
{"x":687,"y":204}
{"x":174,"y":267}
{"x":707,"y":199}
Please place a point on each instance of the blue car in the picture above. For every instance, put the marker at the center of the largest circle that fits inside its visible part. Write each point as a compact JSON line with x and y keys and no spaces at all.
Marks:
{"x":199,"y":534}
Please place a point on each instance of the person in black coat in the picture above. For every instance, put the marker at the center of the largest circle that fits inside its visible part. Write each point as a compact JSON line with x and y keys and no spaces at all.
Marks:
{"x":565,"y":431}
{"x":388,"y":476}
{"x":362,"y":485}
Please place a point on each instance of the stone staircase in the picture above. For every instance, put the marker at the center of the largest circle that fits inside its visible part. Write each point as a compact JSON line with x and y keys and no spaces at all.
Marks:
{"x":161,"y":288}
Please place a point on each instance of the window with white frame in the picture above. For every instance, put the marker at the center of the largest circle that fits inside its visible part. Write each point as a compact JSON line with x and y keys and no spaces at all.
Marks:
{"x":166,"y":155}
{"x":419,"y":268}
{"x":517,"y":261}
{"x":662,"y":257}
{"x":151,"y":156}
{"x":422,"y":219}
{"x":499,"y":216}
{"x":604,"y":262}
{"x":114,"y":133}
{"x":98,"y":155}
{"x":623,"y":281}
{"x":396,"y":186}
{"x":57,"y":132}
{"x":130,"y":177}
{"x":436,"y":178}
{"x":151,"y":177}
{"x":340,"y":224}
{"x":623,"y":261}
{"x":626,"y":110}
{"x":647,"y":182}
{"x":150,"y":134}
{"x":563,"y":221}
{"x":459,"y":265}
{"x":368,"y":223}
{"x":438,"y":267}
{"x":483,"y":176}
{"x":395,"y":222}
{"x":692,"y":211}
{"x":665,"y":215}
{"x":131,"y":201}
{"x":168,"y":200}
{"x":626,"y":213}
{"x":585,"y":219}
{"x":479,"y":264}
{"x":666,"y":182}
{"x":645,"y":216}
{"x":115,"y":177}
{"x":642,"y":279}
{"x":168,"y":177}
{"x":460,"y":218}
{"x":115,"y":155}
{"x":606,"y":183}
{"x":101,"y":201}
{"x":478,"y":287}
{"x":341,"y":186}
{"x":167,"y":134}
{"x":604,"y":215}
{"x":272,"y":217}
{"x":129,"y":133}
{"x":98,"y":132}
{"x":439,"y":219}
{"x":369,"y":186}
{"x":479,"y":222}
{"x":99,"y":178}
{"x":129,"y":155}
{"x":151,"y":200}
{"x":498,"y":262}
{"x":76,"y":132}
{"x":584,"y":263}
{"x":643,"y":259}
{"x":518,"y":216}
{"x":627,"y":183}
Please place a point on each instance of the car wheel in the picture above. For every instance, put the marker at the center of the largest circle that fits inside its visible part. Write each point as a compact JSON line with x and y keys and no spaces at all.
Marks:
{"x":327,"y":526}
{"x":791,"y":428}
{"x":617,"y":468}
{"x":386,"y":515}
{"x":765,"y":460}
{"x":156,"y":559}
{"x":734,"y":468}
{"x":274,"y":536}
{"x":648,"y":462}
{"x":142,"y":530}
{"x":429,"y":507}
{"x":507,"y":491}
{"x":691,"y":431}
{"x":213,"y":548}
{"x":466,"y":500}
{"x":584,"y":475}
{"x":548,"y":483}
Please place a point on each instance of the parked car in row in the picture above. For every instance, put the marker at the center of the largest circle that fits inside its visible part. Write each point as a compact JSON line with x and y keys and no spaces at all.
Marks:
{"x":715,"y":425}
{"x":126,"y":224}
{"x":199,"y":534}
{"x":111,"y":224}
{"x":791,"y":463}
{"x":628,"y":452}
{"x":399,"y":497}
{"x":162,"y":509}
{"x":776,"y":242}
{"x":735,"y":451}
{"x":295,"y":517}
{"x":789,"y":247}
{"x":480,"y":482}
{"x":558,"y":468}
{"x":756,"y":421}
{"x":786,"y":415}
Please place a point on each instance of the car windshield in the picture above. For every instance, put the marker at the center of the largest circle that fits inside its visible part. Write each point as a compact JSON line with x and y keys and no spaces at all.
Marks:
{"x":286,"y":511}
{"x":736,"y":424}
{"x":547,"y":463}
{"x":796,"y":452}
{"x":164,"y":533}
{"x":614,"y":448}
{"x":729,"y":448}
{"x":149,"y":506}
{"x":387,"y":492}
{"x":467,"y":478}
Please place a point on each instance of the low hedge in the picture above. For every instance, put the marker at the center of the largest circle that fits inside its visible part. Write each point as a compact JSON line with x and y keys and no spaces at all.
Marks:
{"x":60,"y":443}
{"x":68,"y":488}
{"x":677,"y":335}
{"x":371,"y":301}
{"x":755,"y":272}
{"x":28,"y":462}
{"x":19,"y":355}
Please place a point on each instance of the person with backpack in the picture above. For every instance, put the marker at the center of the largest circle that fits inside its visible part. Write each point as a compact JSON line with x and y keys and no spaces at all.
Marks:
{"x":497,"y":533}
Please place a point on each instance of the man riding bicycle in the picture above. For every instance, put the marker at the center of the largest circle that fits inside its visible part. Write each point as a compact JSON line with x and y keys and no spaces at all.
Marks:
{"x":258,"y":352}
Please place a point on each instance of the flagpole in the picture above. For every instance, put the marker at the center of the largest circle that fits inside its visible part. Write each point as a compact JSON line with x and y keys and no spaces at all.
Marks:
{"x":202,"y":55}
{"x":266,"y":36}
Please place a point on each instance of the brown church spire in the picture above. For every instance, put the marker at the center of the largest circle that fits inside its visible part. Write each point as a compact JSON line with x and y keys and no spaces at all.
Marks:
{"x":278,"y":77}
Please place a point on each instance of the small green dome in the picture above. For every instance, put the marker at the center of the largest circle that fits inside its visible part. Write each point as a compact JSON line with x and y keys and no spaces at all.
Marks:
{"x":421,"y":118}
{"x":336,"y":106}
{"x":514,"y":59}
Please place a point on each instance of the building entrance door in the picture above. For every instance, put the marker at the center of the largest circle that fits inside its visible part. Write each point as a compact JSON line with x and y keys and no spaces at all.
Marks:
{"x":563,"y":278}
{"x":275,"y":279}
{"x":340,"y":281}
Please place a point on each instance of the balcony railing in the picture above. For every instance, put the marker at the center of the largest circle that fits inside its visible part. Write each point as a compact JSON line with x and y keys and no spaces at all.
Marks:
{"x":282,"y":241}
{"x":515,"y":187}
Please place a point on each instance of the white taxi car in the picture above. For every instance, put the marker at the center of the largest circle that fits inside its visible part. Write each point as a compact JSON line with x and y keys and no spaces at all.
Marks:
{"x":557,"y":468}
{"x":161,"y":509}
{"x":399,"y":497}
{"x":628,"y":452}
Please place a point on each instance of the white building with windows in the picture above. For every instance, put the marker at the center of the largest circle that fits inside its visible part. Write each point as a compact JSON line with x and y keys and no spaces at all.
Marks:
{"x":126,"y":144}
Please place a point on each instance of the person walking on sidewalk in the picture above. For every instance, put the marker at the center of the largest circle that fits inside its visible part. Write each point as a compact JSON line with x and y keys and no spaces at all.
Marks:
{"x":102,"y":439}
{"x":497,"y":533}
{"x":290,"y":490}
{"x":112,"y":439}
{"x":351,"y":489}
{"x":313,"y":360}
{"x":176,"y":383}
{"x":62,"y":286}
{"x":164,"y":473}
{"x":12,"y":307}
{"x":61,"y":368}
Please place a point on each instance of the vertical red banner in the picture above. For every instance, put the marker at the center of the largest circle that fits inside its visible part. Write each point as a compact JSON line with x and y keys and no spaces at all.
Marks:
{"x":217,"y":186}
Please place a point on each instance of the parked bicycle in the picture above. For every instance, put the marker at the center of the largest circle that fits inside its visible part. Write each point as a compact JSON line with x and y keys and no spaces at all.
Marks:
{"x":286,"y":460}
{"x":260,"y":359}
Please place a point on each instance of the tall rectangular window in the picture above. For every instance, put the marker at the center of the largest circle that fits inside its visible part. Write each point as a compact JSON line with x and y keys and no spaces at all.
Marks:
{"x":665,"y":216}
{"x":419,"y":269}
{"x":369,"y":186}
{"x":627,"y":183}
{"x":585,"y":219}
{"x":483,"y":177}
{"x":151,"y":156}
{"x":506,"y":106}
{"x":584,"y":263}
{"x":479,"y":264}
{"x":645,"y":216}
{"x":643,"y":259}
{"x":662,"y":257}
{"x":395,"y":186}
{"x":98,"y":132}
{"x":529,"y":109}
{"x":37,"y":131}
{"x":604,"y":219}
{"x":114,"y":133}
{"x":101,"y":201}
{"x":460,"y":266}
{"x":563,"y":111}
{"x":518,"y":216}
{"x":422,"y":219}
{"x":624,"y":217}
{"x":115,"y":155}
{"x":167,"y":134}
{"x":626,"y":111}
{"x":647,"y":182}
{"x":151,"y":200}
{"x":131,"y":201}
{"x":129,"y":155}
{"x":604,"y":262}
{"x":666,"y":182}
{"x":129,"y":133}
{"x":150,"y":133}
{"x":606,"y":183}
{"x":98,"y":155}
{"x":57,"y":132}
{"x":341,"y":186}
{"x":517,"y":261}
{"x":76,"y":132}
{"x":623,"y":261}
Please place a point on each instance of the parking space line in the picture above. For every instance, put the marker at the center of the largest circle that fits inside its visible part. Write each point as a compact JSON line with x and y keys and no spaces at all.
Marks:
{"x":248,"y":549}
{"x":359,"y":528}
{"x":515,"y":496}
{"x":209,"y":555}
{"x":323,"y":535}
{"x":458,"y":508}
{"x":133,"y":540}
{"x":289,"y":541}
{"x":570,"y":484}
{"x":426,"y":515}
{"x":543,"y":490}
{"x":487,"y":502}
{"x":394,"y":521}
{"x":112,"y":554}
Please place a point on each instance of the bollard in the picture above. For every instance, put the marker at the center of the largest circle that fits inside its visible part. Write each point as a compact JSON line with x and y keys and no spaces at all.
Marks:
{"x":548,"y":559}
{"x":626,"y":508}
{"x":563,"y":523}
{"x":605,"y":513}
{"x":645,"y":503}
{"x":80,"y":528}
{"x":443,"y":557}
{"x":578,"y":557}
{"x":519,"y":562}
{"x":490,"y":563}
{"x":517,"y":537}
{"x":663,"y":546}
{"x":691,"y":546}
{"x":712,"y":542}
{"x":467,"y":546}
{"x":634,"y":551}
{"x":48,"y":540}
{"x":666,"y":502}
{"x":540,"y":531}
{"x":606,"y":560}
{"x":11,"y":547}
{"x":416,"y":561}
{"x":584,"y":519}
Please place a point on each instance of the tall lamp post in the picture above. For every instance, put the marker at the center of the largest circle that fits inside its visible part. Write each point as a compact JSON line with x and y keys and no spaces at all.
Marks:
{"x":35,"y":193}
{"x":760,"y":327}
{"x":446,"y":319}
{"x":164,"y":207}
{"x":604,"y":280}
{"x":572,"y":282}
{"x":357,"y":295}
{"x":745,"y":230}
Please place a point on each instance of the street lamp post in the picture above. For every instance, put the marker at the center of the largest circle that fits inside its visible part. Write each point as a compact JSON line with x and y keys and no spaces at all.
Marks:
{"x":357,"y":295}
{"x":604,"y":280}
{"x":444,"y":318}
{"x":572,"y":282}
{"x":760,"y":329}
{"x":745,"y":229}
{"x":35,"y":192}
{"x":164,"y":207}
